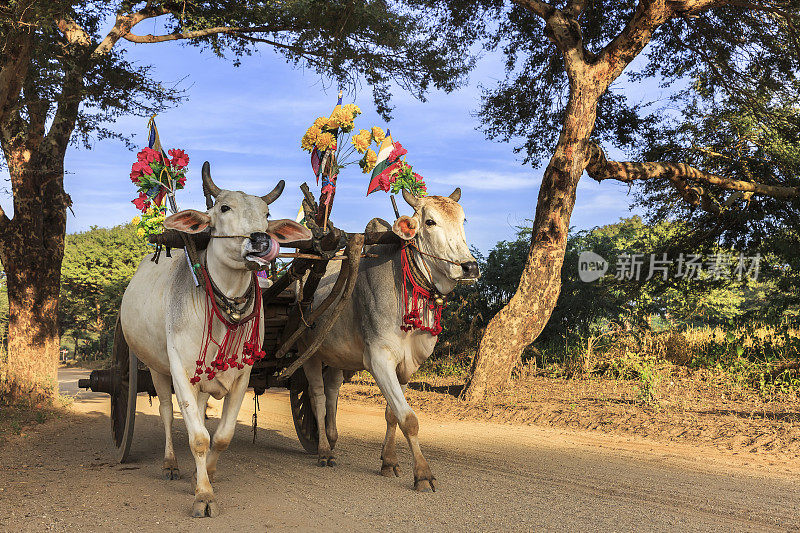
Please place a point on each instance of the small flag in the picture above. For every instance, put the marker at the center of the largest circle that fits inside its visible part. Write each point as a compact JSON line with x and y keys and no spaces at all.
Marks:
{"x":316,"y":162}
{"x":383,"y":154}
{"x":154,"y":142}
{"x":338,"y":104}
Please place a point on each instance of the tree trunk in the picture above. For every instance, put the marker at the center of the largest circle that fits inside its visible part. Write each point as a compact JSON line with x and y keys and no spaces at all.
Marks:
{"x":523,"y":318}
{"x":31,"y":249}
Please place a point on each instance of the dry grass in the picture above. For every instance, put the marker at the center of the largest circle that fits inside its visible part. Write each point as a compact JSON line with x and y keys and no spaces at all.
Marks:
{"x":17,"y":415}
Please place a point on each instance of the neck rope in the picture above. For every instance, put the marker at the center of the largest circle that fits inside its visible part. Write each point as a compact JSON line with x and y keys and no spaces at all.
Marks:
{"x":423,"y":303}
{"x":237,"y":339}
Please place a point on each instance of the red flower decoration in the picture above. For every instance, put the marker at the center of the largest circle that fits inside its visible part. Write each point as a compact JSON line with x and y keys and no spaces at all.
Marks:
{"x":141,"y":202}
{"x":148,"y":155}
{"x":179,"y":157}
{"x":398,"y":152}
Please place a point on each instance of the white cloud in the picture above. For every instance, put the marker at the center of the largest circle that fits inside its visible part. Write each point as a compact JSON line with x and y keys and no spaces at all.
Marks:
{"x":489,"y":180}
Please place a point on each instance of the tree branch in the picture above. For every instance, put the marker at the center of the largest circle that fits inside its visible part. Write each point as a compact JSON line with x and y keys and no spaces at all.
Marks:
{"x":563,"y":29}
{"x":574,"y":8}
{"x":617,"y":54}
{"x":13,"y":69}
{"x":296,"y":49}
{"x":125,"y":23}
{"x":542,"y":9}
{"x":4,"y":220}
{"x":15,"y":56}
{"x":197,"y":34}
{"x":73,"y":32}
{"x":600,"y":168}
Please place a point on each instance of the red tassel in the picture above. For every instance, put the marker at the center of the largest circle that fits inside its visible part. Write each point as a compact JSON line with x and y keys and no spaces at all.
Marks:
{"x":419,"y":302}
{"x":228,"y":350}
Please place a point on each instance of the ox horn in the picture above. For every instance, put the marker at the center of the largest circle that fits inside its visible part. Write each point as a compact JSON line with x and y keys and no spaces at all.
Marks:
{"x":209,"y":188}
{"x":412,"y":200}
{"x":271,"y":197}
{"x":456,"y":194}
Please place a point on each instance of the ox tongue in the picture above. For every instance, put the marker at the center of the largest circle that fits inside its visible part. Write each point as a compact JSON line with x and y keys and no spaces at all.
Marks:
{"x":268,"y":255}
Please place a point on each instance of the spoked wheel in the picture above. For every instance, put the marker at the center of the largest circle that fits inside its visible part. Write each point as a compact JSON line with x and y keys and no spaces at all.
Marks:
{"x":123,"y":398}
{"x":304,"y":421}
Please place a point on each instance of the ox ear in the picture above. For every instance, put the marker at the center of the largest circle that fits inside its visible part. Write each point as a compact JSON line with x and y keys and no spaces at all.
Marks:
{"x":285,"y":230}
{"x":405,"y":227}
{"x":188,"y":221}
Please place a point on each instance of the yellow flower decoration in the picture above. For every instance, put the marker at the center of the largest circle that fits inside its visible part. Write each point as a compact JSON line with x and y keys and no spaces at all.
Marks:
{"x":320,"y":122}
{"x":361,"y":141}
{"x":326,"y":141}
{"x":310,"y":138}
{"x":370,"y":159}
{"x":378,"y":134}
{"x":135,"y":221}
{"x":351,"y":109}
{"x":140,"y":233}
{"x":344,"y":117}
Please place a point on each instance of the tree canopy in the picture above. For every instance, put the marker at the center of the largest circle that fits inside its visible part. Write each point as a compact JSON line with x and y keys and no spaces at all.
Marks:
{"x":74,"y":55}
{"x":97,"y":266}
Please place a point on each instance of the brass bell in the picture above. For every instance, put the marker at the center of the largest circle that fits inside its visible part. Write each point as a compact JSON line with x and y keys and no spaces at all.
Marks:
{"x":439,"y":300}
{"x":235,"y":316}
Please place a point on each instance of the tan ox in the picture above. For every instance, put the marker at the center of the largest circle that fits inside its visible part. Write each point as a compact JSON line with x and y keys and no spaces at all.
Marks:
{"x":368,"y":334}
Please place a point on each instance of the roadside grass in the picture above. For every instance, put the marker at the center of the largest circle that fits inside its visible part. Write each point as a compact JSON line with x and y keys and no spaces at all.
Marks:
{"x":752,"y":357}
{"x":19,"y":416}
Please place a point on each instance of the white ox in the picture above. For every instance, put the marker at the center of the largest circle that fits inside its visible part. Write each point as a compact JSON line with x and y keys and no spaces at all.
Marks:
{"x":368,"y":334}
{"x":163,"y":315}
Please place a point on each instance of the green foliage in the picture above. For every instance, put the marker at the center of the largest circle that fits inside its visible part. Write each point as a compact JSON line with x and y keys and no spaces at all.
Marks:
{"x":734,"y":53}
{"x":97,"y":266}
{"x":583,"y":307}
{"x":344,"y":42}
{"x":592,"y":312}
{"x":406,"y":178}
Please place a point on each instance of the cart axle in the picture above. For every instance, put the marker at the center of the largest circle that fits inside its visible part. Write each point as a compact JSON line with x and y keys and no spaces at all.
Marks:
{"x":108,"y":380}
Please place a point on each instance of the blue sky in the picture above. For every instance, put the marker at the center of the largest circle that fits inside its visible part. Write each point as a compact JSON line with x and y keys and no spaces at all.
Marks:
{"x":248,"y":121}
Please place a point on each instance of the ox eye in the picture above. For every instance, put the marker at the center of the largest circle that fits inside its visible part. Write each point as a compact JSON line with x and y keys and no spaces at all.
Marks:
{"x":430,"y":222}
{"x":224,"y":208}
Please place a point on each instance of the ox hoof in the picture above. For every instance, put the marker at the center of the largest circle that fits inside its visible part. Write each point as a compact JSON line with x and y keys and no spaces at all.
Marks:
{"x":424,"y":485}
{"x":326,"y":459}
{"x":170,"y":473}
{"x":205,"y":505}
{"x":389,"y":470}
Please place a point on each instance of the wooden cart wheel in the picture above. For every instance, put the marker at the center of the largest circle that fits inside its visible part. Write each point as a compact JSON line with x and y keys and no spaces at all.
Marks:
{"x":123,"y":399}
{"x":305,"y":423}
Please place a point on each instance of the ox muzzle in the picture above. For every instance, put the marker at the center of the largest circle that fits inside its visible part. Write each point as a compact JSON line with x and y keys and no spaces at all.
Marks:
{"x":471,"y":270}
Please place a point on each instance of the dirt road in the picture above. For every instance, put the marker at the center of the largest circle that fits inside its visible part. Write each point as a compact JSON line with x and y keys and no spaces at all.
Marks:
{"x":62,"y":477}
